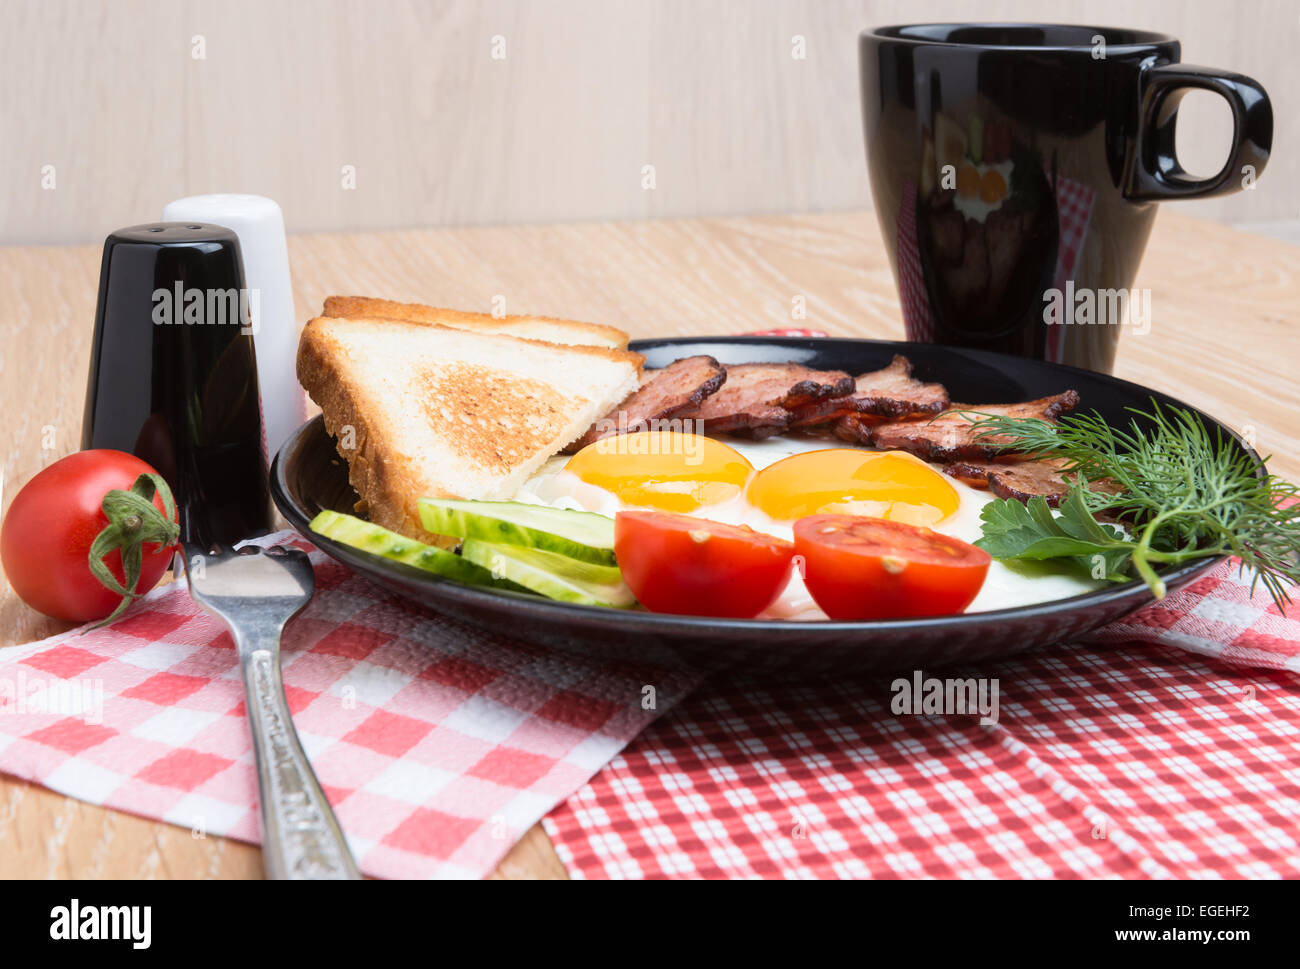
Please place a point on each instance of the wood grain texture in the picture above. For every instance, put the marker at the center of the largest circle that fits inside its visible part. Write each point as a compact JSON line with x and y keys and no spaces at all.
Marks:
{"x":1223,"y":337}
{"x":440,"y":132}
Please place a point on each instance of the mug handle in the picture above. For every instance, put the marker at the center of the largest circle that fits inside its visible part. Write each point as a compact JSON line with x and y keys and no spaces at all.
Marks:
{"x":1157,"y":174}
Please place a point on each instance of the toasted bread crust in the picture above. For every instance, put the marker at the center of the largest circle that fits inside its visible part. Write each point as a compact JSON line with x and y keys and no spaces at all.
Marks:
{"x":607,"y":353}
{"x":366,"y":307}
{"x":381,"y":483}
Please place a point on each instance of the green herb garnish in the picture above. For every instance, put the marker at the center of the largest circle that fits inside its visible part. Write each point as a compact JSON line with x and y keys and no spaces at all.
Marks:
{"x":1183,"y":494}
{"x":1029,"y":190}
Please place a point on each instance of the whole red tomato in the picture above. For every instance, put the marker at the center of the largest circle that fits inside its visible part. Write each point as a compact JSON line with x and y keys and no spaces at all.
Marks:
{"x":46,"y":537}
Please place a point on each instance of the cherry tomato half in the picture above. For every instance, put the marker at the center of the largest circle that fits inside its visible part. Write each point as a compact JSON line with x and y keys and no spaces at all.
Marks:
{"x":47,"y":533}
{"x":869,"y":568}
{"x":696,"y":567}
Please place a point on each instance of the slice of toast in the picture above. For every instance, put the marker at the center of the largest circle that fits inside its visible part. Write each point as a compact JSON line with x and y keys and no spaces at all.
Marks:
{"x":423,"y":410}
{"x":547,"y":328}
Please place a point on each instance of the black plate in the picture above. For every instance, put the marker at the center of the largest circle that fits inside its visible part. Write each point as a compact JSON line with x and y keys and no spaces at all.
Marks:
{"x":308,"y":476}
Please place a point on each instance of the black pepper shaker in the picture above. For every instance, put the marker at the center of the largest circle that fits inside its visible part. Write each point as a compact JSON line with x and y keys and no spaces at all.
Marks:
{"x":173,"y":375}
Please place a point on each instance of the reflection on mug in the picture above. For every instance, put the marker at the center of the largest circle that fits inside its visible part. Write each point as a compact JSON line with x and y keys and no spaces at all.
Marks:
{"x":986,"y":233}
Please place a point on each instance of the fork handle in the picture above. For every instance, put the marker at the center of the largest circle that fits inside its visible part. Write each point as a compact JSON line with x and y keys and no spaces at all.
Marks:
{"x":300,"y":835}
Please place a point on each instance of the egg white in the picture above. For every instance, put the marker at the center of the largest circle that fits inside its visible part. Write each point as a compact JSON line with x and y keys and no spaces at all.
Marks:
{"x":1007,"y":585}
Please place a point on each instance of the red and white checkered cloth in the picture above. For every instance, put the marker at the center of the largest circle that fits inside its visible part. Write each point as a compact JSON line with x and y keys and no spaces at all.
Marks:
{"x":438,"y":745}
{"x":1121,"y":757}
{"x":1074,"y":213}
{"x":787,"y":331}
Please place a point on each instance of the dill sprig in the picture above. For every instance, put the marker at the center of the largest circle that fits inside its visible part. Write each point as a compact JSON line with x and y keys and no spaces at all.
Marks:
{"x":1185,"y":493}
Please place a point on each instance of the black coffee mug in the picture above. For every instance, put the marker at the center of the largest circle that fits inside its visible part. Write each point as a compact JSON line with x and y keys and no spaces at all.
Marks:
{"x":1015,"y":170}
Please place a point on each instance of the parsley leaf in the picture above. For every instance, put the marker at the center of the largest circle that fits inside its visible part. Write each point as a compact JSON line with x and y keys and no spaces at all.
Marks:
{"x":1030,"y":531}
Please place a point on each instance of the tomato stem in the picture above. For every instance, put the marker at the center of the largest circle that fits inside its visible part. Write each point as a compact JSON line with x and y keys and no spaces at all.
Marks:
{"x":133,"y":522}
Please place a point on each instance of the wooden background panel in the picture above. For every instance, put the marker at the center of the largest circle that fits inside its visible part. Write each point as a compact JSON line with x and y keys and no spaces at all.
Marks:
{"x":409,"y":96}
{"x":441,"y":133}
{"x":89,"y":89}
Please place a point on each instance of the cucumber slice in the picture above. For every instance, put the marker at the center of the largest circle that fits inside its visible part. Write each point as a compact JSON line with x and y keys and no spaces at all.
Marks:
{"x":380,"y":541}
{"x":975,"y":146}
{"x":552,"y":575}
{"x":582,"y":535}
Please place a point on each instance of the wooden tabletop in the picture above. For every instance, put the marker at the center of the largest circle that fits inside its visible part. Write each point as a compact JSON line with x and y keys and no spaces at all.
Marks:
{"x":1225,"y":336}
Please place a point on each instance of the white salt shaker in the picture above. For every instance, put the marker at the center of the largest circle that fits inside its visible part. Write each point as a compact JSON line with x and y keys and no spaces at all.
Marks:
{"x":260,"y":227}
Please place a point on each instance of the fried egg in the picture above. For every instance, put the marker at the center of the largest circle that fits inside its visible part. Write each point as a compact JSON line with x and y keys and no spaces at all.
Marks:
{"x":981,"y":189}
{"x":770,"y":484}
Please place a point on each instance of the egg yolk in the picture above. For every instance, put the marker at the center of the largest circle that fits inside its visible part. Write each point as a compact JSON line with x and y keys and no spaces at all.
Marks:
{"x":890,"y":485}
{"x":993,"y":187}
{"x":663,"y":469}
{"x":968,"y":180}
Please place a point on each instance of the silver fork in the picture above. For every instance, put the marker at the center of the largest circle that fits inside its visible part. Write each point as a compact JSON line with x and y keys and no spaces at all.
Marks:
{"x":255,"y":592}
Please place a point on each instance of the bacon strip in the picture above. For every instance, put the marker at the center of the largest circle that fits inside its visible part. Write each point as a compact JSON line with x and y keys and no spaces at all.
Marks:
{"x":889,"y":392}
{"x":679,"y":387}
{"x":1022,"y":480}
{"x":952,"y":436}
{"x":757,"y":399}
{"x":856,"y":428}
{"x":756,"y":421}
{"x":972,"y":473}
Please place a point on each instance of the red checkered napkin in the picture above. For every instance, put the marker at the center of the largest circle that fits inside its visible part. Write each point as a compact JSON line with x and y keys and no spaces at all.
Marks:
{"x":1119,"y":757}
{"x":437,"y":744}
{"x":787,"y":331}
{"x":1074,"y":215}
